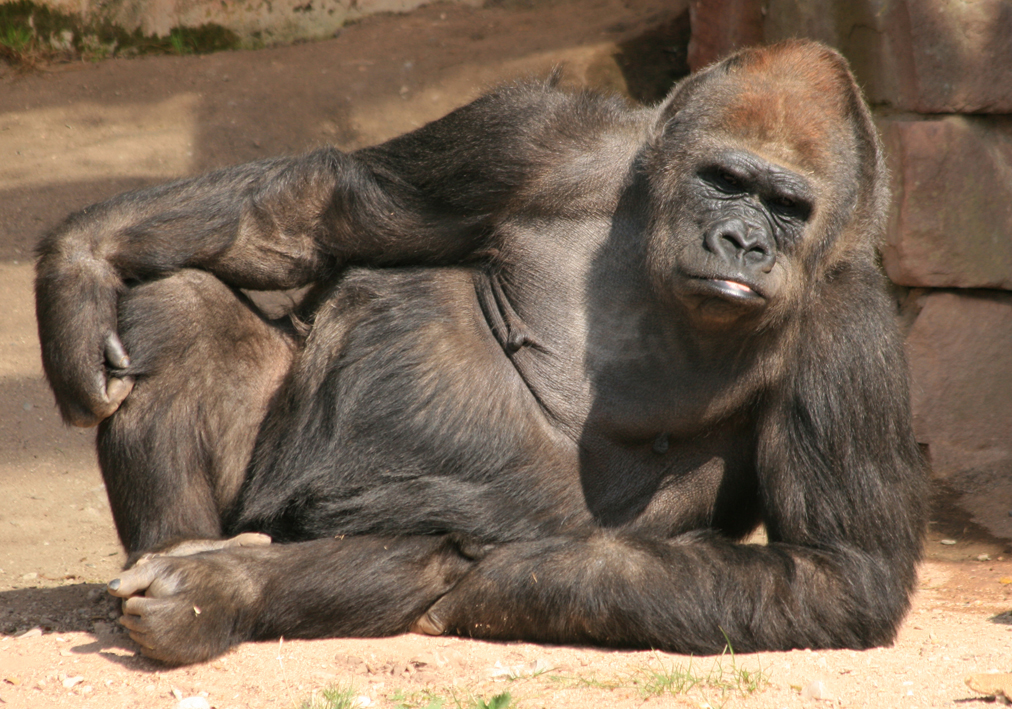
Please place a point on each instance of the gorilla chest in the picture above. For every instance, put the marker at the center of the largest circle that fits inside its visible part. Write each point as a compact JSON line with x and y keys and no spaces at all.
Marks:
{"x":668,"y":484}
{"x":428,"y":418}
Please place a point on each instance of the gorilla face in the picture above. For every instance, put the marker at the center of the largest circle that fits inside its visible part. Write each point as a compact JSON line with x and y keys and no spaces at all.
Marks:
{"x":738,"y":215}
{"x":744,"y":219}
{"x":756,"y":194}
{"x":729,"y":238}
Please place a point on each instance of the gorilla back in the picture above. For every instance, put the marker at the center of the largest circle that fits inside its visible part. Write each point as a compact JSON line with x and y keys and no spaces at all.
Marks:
{"x":559,"y":356}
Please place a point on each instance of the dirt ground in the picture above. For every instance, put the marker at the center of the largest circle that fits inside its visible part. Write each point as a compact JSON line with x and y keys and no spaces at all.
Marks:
{"x":77,"y":133}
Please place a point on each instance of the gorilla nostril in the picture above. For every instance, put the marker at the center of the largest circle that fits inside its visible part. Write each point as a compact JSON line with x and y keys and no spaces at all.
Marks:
{"x":736,"y":241}
{"x":726,"y":238}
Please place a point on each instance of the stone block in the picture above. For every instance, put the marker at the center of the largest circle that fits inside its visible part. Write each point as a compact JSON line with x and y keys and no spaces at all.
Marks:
{"x":721,"y":26}
{"x":928,"y":56}
{"x":960,"y":353}
{"x":951,"y":224}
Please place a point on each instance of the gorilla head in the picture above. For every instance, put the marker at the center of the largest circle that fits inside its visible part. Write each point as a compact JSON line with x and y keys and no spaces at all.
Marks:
{"x":759,"y":195}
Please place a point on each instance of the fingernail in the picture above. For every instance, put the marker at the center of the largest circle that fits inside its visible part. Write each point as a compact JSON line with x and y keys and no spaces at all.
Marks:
{"x":114,"y":585}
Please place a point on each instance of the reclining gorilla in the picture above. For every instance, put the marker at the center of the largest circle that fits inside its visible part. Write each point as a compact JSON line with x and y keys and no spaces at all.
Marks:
{"x":558,"y":358}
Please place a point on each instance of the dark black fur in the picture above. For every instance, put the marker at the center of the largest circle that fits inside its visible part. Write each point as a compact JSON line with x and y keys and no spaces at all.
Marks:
{"x":558,"y":357}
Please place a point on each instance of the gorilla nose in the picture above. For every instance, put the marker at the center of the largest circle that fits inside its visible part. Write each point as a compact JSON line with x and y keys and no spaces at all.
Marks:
{"x":737,"y":241}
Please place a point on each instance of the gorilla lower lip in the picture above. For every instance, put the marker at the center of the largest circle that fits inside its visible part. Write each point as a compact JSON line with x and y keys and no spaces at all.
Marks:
{"x":735,"y":286}
{"x":733,"y":290}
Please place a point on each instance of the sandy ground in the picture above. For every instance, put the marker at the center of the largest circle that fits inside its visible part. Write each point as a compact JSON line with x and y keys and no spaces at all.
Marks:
{"x":74,"y":134}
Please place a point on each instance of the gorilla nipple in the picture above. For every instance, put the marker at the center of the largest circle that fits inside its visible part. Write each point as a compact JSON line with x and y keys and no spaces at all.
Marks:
{"x":661,"y":444}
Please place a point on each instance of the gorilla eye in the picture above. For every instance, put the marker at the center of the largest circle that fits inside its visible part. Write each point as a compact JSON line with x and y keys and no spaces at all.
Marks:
{"x":788,"y":206}
{"x":728,"y":181}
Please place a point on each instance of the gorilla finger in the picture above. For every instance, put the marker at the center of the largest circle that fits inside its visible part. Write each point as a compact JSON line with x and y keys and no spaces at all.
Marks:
{"x":198,"y":546}
{"x":470,"y":546}
{"x":117,"y":389}
{"x":135,"y":624}
{"x":81,"y":417}
{"x":156,"y":654}
{"x":92,"y":406}
{"x":136,"y":609}
{"x":428,"y":624}
{"x":115,"y":352}
{"x":133,"y":581}
{"x":249,"y":539}
{"x":142,"y":640}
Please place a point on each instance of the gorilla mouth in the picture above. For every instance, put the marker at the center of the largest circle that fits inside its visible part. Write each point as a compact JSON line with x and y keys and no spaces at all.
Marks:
{"x":734,"y":286}
{"x":732,"y":290}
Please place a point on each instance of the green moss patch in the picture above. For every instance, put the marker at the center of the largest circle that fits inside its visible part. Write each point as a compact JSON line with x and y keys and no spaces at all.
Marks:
{"x":32,"y":33}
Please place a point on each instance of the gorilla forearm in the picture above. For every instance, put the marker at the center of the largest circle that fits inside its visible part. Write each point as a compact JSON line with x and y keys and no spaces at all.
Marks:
{"x":196,"y":607}
{"x":254,"y":226}
{"x":355,"y":586}
{"x":268,"y":225}
{"x":694,"y":596}
{"x":425,"y":197}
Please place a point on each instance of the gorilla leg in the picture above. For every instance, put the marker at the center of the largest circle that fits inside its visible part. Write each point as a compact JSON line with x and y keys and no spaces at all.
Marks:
{"x":206,"y":364}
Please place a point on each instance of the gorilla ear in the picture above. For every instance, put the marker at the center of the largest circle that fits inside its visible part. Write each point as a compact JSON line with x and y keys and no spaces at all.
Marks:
{"x":683,"y":92}
{"x":679,"y":96}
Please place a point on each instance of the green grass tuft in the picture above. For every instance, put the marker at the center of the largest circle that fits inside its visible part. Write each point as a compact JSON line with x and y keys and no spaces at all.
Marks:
{"x":428,"y":699}
{"x":331,"y":698}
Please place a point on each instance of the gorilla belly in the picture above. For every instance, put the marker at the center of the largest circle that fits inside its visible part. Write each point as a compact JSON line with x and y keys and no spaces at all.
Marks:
{"x":404,"y":416}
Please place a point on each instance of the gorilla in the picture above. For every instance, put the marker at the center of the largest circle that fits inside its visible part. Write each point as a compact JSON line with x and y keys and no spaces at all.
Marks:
{"x":558,"y":358}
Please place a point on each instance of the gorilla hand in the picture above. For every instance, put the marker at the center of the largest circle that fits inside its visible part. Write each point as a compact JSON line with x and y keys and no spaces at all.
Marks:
{"x":76,"y":297}
{"x":193,"y":608}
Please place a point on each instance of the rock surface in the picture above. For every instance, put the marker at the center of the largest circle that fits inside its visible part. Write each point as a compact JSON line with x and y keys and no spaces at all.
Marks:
{"x":951,"y":224}
{"x":928,"y":56}
{"x":960,"y":351}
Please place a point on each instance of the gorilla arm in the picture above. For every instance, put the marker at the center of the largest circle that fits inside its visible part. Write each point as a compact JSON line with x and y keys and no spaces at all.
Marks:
{"x":842,"y":487}
{"x":195,"y":607}
{"x":427,"y":197}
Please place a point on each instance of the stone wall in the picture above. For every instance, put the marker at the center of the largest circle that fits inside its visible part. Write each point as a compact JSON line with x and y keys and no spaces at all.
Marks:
{"x":939,"y":76}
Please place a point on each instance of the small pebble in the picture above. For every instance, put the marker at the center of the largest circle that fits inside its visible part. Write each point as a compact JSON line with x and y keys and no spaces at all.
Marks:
{"x":948,"y":542}
{"x":33,"y":633}
{"x":72,"y":681}
{"x":817,"y":690}
{"x":193,"y":703}
{"x":530,"y":669}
